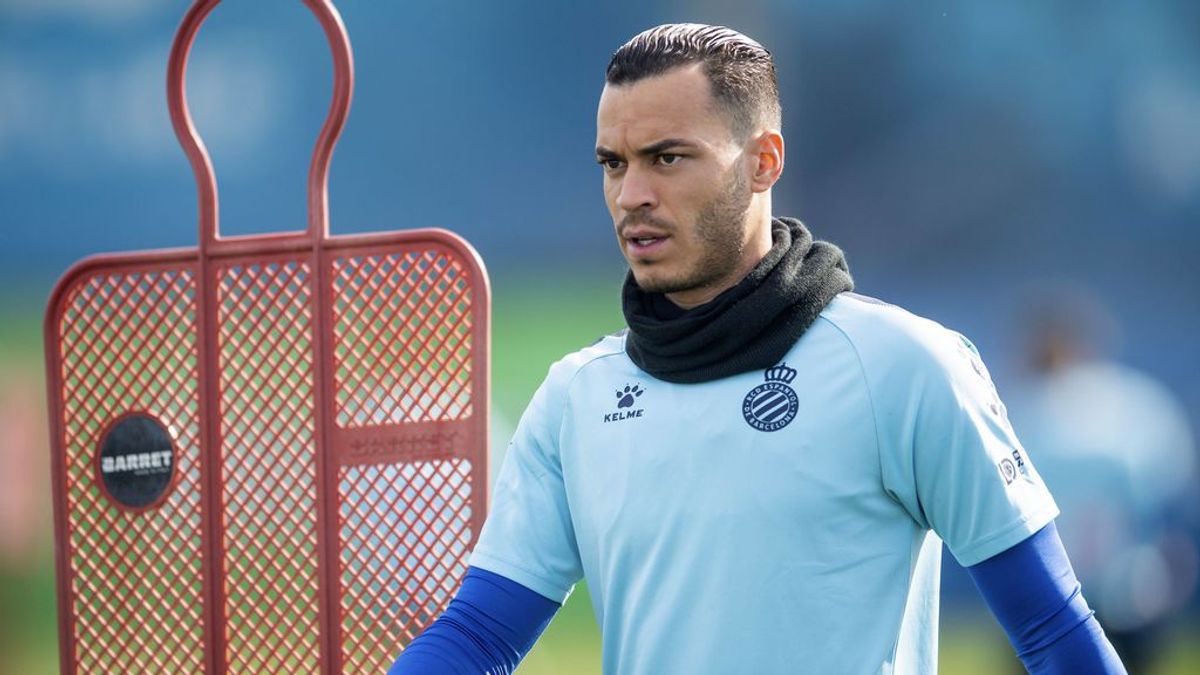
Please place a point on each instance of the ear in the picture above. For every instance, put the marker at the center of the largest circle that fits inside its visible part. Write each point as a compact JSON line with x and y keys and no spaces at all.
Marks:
{"x":766,"y":155}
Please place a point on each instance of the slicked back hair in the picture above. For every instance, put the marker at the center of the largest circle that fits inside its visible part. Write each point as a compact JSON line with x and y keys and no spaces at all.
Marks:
{"x":740,"y":71}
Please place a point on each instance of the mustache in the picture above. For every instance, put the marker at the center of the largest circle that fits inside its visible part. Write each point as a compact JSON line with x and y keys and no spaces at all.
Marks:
{"x":642,"y":218}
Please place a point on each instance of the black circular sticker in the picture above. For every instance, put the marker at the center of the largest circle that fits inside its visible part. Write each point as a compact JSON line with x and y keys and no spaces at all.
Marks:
{"x":137,"y":461}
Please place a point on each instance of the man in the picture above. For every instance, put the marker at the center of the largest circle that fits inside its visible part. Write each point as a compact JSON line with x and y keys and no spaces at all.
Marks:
{"x":755,"y":476}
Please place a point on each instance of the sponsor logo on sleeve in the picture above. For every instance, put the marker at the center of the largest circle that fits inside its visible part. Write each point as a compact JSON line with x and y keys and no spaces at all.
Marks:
{"x":1010,"y":468}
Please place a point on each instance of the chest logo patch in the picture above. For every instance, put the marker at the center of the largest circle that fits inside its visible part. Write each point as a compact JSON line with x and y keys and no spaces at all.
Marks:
{"x":625,"y":399}
{"x":772,"y":405}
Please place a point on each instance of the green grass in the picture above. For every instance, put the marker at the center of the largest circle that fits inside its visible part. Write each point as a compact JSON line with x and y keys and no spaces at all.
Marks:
{"x":534,"y":325}
{"x":28,"y":626}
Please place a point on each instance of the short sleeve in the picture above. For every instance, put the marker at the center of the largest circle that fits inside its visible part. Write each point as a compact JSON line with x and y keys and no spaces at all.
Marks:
{"x":947,"y":451}
{"x":528,"y":536}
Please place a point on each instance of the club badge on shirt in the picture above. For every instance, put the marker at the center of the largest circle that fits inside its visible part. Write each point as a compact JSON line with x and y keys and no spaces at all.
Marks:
{"x":772,"y":405}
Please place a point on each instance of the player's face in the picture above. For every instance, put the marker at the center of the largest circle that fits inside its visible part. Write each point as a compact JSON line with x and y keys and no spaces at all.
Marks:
{"x":677,"y":184}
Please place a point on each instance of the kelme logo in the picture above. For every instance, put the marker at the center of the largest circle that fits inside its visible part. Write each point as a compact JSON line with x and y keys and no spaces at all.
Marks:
{"x":625,"y":399}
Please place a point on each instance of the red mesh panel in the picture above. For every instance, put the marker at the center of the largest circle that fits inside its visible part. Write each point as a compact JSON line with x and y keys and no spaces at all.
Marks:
{"x":402,"y":329}
{"x":127,"y":342}
{"x":336,"y":389}
{"x":403,"y":378}
{"x":269,"y":468}
{"x":405,"y":531}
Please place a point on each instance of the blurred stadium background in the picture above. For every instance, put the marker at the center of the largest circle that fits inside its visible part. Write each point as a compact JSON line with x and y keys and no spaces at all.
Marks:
{"x":965,"y":157}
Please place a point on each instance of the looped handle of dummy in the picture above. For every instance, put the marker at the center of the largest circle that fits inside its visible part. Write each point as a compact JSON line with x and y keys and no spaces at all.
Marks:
{"x":318,"y":172}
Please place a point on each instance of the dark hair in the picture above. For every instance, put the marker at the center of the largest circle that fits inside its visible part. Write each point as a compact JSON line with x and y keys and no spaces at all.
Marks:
{"x":740,"y":71}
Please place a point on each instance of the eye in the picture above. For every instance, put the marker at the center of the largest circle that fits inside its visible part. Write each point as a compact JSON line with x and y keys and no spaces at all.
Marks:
{"x":609,"y":163}
{"x":668,"y":159}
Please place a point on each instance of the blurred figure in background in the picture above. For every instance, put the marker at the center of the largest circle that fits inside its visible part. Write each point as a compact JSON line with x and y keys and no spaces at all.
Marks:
{"x":1115,"y":448}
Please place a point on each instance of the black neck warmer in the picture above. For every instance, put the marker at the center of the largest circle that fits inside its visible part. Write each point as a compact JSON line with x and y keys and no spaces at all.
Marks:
{"x":750,"y":326}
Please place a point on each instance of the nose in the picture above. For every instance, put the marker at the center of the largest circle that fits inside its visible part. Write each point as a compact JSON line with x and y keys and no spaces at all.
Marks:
{"x":636,"y":192}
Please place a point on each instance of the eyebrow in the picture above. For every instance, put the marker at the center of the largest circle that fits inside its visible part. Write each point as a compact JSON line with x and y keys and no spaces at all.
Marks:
{"x":649,"y":150}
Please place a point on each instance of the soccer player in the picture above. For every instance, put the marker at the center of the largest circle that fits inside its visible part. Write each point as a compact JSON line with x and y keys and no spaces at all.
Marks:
{"x":758,"y":475}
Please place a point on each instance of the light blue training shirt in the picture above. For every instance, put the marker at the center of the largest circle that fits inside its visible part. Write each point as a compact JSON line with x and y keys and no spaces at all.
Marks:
{"x":796,"y":513}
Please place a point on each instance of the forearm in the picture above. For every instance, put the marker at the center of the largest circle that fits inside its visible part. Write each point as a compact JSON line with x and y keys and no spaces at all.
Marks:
{"x":1033,"y":592}
{"x":489,"y":626}
{"x":448,"y":647}
{"x":1083,"y":649}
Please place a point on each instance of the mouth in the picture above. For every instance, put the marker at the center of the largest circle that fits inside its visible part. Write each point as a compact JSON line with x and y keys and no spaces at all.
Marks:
{"x":643,"y":244}
{"x":643,"y":238}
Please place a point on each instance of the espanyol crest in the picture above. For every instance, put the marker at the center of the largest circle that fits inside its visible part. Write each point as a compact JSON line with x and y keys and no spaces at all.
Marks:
{"x":772,"y":406}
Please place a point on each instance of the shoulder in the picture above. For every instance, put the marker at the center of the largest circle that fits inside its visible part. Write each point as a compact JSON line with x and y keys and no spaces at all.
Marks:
{"x":607,"y":351}
{"x":889,"y":337}
{"x":546,"y":409}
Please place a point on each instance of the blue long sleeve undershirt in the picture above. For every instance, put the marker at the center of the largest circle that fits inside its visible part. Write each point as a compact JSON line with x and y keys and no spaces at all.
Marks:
{"x":1032,"y":591}
{"x":489,"y":626}
{"x":492,"y":622}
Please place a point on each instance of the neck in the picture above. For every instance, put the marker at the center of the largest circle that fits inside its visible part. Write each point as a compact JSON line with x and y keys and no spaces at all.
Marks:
{"x":749,"y":327}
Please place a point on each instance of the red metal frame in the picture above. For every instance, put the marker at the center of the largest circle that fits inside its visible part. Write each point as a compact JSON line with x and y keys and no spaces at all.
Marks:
{"x":328,"y":398}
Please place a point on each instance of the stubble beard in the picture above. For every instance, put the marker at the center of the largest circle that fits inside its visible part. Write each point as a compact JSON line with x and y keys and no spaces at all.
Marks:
{"x":720,"y":229}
